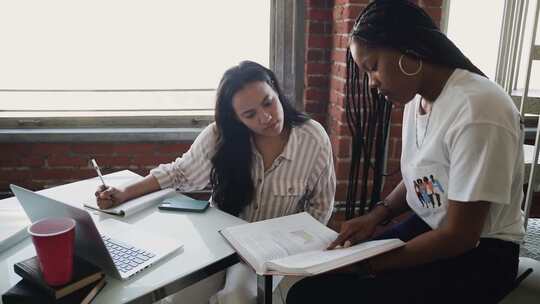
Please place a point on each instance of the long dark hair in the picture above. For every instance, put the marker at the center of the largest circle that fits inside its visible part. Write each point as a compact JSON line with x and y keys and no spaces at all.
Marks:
{"x":231,"y":178}
{"x":405,"y":27}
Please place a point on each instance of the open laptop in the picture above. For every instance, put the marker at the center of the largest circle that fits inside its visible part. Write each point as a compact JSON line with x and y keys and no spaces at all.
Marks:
{"x":120,"y":249}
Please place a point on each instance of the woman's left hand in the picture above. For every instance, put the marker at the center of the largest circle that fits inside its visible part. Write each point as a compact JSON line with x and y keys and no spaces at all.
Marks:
{"x":355,"y":230}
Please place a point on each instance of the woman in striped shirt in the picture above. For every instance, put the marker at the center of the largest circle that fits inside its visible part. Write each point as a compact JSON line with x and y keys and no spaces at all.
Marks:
{"x":262,"y":158}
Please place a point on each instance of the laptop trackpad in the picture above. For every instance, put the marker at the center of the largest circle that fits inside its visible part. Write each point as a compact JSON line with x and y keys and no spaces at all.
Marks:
{"x":139,"y":238}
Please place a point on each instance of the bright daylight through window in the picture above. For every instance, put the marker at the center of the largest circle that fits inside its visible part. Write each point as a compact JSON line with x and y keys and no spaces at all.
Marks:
{"x":479,"y":37}
{"x":130,"y":61}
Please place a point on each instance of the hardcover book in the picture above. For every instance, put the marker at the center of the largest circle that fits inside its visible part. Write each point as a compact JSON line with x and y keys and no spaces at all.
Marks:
{"x":84,"y":273}
{"x":25,"y":292}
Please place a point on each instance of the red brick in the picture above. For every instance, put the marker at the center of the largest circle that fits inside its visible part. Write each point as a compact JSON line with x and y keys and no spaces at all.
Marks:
{"x":178,"y":149}
{"x":338,"y":13}
{"x":66,"y":161}
{"x":114,"y":161}
{"x":319,"y":81}
{"x":22,"y":161}
{"x":62,"y":174}
{"x":341,"y":190}
{"x":339,"y":56}
{"x":338,"y":84}
{"x":339,"y":128}
{"x":92,"y":148}
{"x":352,"y":11}
{"x":315,"y":107}
{"x":339,"y":69}
{"x":338,"y":113}
{"x":316,"y":55}
{"x":315,"y":94}
{"x":396,"y":148}
{"x":34,"y":162}
{"x":396,"y":115}
{"x":337,"y":98}
{"x":328,"y":27}
{"x":341,"y":41}
{"x":149,"y":160}
{"x":9,"y":162}
{"x":432,"y":3}
{"x":28,"y":184}
{"x":342,"y":27}
{"x":341,"y":146}
{"x":342,"y":169}
{"x":345,"y":2}
{"x":140,"y":171}
{"x":319,"y":3}
{"x":395,"y":130}
{"x":319,"y":41}
{"x":319,"y":14}
{"x":15,"y":175}
{"x":314,"y":27}
{"x":320,"y":118}
{"x":50,"y":149}
{"x":135,"y":148}
{"x":317,"y":68}
{"x":393,"y":171}
{"x":15,"y":149}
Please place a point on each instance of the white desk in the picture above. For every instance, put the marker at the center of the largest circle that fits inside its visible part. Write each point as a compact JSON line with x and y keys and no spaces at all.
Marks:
{"x":205,"y":251}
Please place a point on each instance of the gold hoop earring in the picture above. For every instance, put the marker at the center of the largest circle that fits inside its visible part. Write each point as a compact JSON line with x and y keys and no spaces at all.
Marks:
{"x":400,"y":64}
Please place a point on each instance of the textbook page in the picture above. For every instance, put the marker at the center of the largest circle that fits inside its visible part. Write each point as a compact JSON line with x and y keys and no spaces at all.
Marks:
{"x":276,"y":238}
{"x":319,"y":261}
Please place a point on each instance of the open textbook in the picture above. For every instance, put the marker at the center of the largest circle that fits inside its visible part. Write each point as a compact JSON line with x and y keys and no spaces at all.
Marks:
{"x":134,"y":205}
{"x":296,"y":245}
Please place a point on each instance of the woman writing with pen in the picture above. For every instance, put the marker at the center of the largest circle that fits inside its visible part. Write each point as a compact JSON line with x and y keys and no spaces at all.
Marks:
{"x":262,"y":158}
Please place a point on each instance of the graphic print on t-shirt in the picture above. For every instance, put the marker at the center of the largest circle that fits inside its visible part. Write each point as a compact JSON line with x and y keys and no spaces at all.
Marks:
{"x":428,"y":190}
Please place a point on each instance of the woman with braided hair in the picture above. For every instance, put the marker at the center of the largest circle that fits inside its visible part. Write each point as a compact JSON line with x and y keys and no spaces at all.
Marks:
{"x":459,"y":127}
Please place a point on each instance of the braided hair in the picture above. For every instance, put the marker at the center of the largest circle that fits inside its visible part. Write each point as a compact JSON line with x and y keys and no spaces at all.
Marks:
{"x":405,"y":27}
{"x":230,"y":177}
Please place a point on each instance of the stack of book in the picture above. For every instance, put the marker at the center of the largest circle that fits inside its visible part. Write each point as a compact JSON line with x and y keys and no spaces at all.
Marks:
{"x":86,"y":282}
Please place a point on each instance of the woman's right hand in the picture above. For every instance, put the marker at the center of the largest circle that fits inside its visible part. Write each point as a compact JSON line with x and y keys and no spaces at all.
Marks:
{"x":355,"y":231}
{"x":108,"y":197}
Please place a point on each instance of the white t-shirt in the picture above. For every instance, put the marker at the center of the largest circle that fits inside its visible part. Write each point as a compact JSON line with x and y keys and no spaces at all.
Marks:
{"x":468,"y":148}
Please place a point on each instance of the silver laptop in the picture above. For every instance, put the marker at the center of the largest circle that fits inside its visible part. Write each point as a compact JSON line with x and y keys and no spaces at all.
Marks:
{"x":120,"y":249}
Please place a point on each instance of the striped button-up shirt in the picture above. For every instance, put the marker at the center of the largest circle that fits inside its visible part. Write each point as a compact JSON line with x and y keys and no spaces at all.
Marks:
{"x":301,"y":178}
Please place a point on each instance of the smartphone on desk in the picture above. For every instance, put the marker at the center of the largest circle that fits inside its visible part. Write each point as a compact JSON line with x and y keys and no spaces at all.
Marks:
{"x":183,"y":203}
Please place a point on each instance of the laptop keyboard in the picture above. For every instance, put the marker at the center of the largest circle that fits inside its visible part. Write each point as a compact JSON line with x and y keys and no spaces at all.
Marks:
{"x":126,"y":257}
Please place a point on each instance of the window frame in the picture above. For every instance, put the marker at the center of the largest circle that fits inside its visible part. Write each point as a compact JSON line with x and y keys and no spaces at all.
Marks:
{"x":286,"y":60}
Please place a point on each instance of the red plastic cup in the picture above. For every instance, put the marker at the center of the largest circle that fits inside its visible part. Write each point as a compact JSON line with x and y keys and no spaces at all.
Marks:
{"x":54,"y":241}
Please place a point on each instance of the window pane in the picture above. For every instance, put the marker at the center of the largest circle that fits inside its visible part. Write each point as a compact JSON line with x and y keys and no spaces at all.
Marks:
{"x":477,"y":38}
{"x":123,"y":45}
{"x":534,"y":83}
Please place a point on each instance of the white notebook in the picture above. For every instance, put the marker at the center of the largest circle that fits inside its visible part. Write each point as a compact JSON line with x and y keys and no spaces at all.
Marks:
{"x":135,"y":205}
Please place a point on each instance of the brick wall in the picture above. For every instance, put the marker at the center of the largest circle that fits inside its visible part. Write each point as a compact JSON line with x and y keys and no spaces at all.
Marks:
{"x":42,"y":165}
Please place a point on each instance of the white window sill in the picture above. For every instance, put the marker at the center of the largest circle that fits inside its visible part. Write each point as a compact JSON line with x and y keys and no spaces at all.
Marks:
{"x":98,"y":135}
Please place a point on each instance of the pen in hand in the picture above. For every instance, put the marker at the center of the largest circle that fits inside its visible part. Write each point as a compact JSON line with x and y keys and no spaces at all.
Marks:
{"x":102,"y":203}
{"x":96,"y":167}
